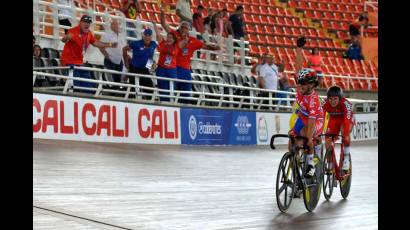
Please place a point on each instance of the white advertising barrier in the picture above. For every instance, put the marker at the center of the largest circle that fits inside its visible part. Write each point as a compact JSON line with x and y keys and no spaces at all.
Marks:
{"x":268,"y":124}
{"x":72,"y":118}
{"x":366,"y":127}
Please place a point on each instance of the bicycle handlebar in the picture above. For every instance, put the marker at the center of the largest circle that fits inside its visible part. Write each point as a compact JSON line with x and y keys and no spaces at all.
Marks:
{"x":272,"y":140}
{"x":331,"y":136}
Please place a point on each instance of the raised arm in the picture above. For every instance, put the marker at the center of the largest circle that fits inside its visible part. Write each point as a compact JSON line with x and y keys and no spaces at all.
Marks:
{"x":163,"y":22}
{"x":183,"y":17}
{"x":157,"y":32}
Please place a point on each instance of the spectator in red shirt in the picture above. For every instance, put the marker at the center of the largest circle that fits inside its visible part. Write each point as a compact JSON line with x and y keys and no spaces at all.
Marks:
{"x":167,"y":61}
{"x":188,"y":46}
{"x":315,"y":62}
{"x":76,"y":42}
{"x":131,"y":9}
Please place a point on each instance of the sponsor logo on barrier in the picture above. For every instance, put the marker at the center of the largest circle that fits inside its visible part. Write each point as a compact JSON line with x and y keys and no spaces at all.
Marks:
{"x":217,"y":127}
{"x":209,"y":129}
{"x":262,"y":129}
{"x":68,"y":118}
{"x":192,"y":127}
{"x":242,"y":125}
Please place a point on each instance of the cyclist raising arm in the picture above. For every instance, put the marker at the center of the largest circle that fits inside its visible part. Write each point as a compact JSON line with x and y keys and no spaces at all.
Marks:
{"x":340,"y":118}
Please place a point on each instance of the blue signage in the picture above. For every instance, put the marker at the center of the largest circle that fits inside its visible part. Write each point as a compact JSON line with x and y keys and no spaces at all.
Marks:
{"x":217,"y":127}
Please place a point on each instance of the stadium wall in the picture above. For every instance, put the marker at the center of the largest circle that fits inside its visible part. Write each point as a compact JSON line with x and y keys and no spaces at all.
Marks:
{"x":96,"y":120}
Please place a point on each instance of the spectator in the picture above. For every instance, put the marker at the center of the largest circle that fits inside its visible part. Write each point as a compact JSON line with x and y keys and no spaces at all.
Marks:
{"x":142,"y":59}
{"x":257,"y":67}
{"x":237,"y":23}
{"x":199,"y":24}
{"x":183,"y":10}
{"x":354,"y":28}
{"x":37,"y":62}
{"x":198,"y":21}
{"x":227,"y":24}
{"x":64,"y":14}
{"x":113,"y":56}
{"x":217,"y":24}
{"x":268,"y":78}
{"x":34,"y":42}
{"x":354,"y":52}
{"x":315,"y":62}
{"x":76,"y":42}
{"x":167,"y":62}
{"x":208,"y":20}
{"x":131,"y":10}
{"x":187,"y":47}
{"x":283,"y":84}
{"x":37,"y":51}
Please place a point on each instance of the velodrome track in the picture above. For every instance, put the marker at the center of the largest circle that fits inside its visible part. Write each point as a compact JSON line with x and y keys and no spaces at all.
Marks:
{"x":82,"y":185}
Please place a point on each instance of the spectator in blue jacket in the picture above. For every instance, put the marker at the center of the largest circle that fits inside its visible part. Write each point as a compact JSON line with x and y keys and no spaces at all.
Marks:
{"x":142,"y":60}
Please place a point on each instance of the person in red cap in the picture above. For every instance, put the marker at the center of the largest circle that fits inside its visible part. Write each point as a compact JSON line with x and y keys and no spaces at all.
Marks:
{"x":76,"y":42}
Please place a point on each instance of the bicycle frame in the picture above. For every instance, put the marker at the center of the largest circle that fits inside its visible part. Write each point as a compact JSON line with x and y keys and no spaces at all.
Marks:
{"x":295,"y":156}
{"x":341,"y":158}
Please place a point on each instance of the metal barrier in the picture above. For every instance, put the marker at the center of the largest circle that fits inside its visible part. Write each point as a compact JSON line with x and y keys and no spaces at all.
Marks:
{"x":224,"y":97}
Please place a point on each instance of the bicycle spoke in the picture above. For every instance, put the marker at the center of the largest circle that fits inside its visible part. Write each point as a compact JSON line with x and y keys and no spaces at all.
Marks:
{"x":282,"y":188}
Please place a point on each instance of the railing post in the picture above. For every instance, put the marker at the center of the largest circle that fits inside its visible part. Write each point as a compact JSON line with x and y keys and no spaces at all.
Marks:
{"x":230,"y":49}
{"x":206,"y":39}
{"x":242,"y":52}
{"x":138,"y":26}
{"x":71,"y":74}
{"x":171,"y":89}
{"x":231,"y":98}
{"x":56,"y":25}
{"x":34,"y":78}
{"x":137,"y":87}
{"x":36,"y":20}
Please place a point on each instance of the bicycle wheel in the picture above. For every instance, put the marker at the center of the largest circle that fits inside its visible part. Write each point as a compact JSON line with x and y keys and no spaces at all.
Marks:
{"x":285,"y":182}
{"x":313,"y":187}
{"x":346,"y":182}
{"x":328,"y":174}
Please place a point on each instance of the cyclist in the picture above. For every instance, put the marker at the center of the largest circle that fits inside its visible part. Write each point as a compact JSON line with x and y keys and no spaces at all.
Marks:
{"x":310,"y":116}
{"x":340,"y":112}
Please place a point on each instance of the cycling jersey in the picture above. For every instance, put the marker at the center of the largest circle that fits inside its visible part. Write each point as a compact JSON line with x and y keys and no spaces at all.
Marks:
{"x":341,"y":115}
{"x":308,"y":106}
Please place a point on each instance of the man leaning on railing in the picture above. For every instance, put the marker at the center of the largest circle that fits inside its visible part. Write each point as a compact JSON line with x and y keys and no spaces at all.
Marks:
{"x":76,"y":42}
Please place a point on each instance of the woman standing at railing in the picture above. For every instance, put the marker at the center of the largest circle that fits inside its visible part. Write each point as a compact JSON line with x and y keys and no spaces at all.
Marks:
{"x":167,"y":62}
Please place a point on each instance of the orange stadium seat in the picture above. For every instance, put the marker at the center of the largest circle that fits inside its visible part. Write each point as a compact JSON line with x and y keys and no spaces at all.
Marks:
{"x":273,"y":29}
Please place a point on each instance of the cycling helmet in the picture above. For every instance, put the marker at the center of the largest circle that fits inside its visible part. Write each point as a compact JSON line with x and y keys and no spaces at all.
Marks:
{"x":307,"y":76}
{"x":335,"y":91}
